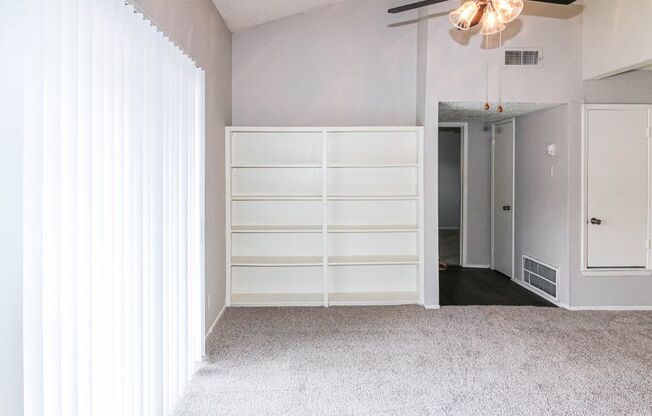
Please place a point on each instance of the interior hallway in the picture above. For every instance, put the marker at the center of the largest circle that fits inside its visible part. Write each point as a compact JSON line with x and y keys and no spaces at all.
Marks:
{"x":462,"y":286}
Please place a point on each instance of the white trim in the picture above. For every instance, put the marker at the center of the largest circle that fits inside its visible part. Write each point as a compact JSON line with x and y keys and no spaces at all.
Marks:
{"x":432,"y":307}
{"x":324,"y":219}
{"x":219,"y":316}
{"x":315,"y":129}
{"x":228,"y":202}
{"x":422,"y":217}
{"x":617,"y":272}
{"x":493,"y":162}
{"x":464,"y":186}
{"x":609,"y":308}
{"x":320,"y":304}
{"x":605,"y":272}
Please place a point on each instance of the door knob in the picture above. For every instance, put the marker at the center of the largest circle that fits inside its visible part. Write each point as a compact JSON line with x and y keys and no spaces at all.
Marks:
{"x":596,"y":221}
{"x":507,"y":208}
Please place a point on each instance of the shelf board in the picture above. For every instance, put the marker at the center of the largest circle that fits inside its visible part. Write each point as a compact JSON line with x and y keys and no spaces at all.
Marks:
{"x":290,"y":166}
{"x":319,"y":198}
{"x":389,"y":165}
{"x":378,"y":298}
{"x":276,"y":261}
{"x":276,"y":198}
{"x":373,"y":198}
{"x":379,"y":228}
{"x":277,"y":299}
{"x":276,"y":229}
{"x":371,"y":260}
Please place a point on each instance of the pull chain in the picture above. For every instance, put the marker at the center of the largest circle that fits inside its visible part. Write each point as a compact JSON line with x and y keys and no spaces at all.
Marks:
{"x":487,"y":106}
{"x":500,"y":73}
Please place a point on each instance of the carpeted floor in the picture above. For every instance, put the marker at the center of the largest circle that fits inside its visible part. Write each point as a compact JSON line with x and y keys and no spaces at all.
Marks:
{"x":410,"y":361}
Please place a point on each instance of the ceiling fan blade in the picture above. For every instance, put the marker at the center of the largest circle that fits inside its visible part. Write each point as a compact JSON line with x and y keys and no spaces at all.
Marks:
{"x":424,"y":3}
{"x":414,"y":6}
{"x":564,"y":2}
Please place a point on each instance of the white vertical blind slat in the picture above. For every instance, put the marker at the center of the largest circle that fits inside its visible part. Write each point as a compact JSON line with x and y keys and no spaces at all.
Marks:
{"x":114,"y":208}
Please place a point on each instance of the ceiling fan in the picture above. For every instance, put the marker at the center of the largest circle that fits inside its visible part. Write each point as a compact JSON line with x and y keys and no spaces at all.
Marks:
{"x":493,"y":14}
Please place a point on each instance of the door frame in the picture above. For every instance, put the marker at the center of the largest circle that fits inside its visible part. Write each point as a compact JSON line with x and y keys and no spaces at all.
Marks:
{"x":493,"y":157}
{"x":586,"y":271}
{"x":464,"y":178}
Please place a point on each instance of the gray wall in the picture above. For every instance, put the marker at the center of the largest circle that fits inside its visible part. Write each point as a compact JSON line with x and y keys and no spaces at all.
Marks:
{"x":338,"y":65}
{"x":478,"y":243}
{"x":629,"y":88}
{"x":541,"y":205}
{"x":11,"y":265}
{"x":450,"y":177}
{"x":198,"y":28}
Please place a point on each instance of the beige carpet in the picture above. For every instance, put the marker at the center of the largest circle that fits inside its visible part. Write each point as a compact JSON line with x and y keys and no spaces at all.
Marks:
{"x":409,"y":361}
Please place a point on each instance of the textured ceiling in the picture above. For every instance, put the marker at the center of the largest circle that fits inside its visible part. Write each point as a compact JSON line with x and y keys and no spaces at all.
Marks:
{"x":243,"y":14}
{"x":474,"y":111}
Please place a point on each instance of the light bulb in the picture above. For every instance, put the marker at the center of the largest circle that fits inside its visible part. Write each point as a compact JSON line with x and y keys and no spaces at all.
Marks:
{"x":462,"y":18}
{"x":507,"y":10}
{"x":490,"y":22}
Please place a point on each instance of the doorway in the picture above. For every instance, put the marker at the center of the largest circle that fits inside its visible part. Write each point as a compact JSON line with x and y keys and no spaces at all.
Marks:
{"x":452,"y":200}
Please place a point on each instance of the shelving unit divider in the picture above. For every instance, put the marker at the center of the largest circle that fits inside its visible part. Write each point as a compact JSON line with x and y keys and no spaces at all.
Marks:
{"x":324,"y":177}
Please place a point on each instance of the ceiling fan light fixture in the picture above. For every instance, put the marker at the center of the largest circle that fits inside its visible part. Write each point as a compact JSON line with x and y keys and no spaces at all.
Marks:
{"x":507,"y":10}
{"x":490,"y":23}
{"x":462,"y":18}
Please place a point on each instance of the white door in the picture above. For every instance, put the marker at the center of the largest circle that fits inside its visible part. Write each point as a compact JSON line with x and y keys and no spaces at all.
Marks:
{"x":503,"y":198}
{"x":617,"y":187}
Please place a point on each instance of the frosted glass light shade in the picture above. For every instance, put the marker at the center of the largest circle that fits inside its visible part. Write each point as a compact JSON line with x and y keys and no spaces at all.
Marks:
{"x":507,"y":10}
{"x":490,"y":23}
{"x":463,"y":17}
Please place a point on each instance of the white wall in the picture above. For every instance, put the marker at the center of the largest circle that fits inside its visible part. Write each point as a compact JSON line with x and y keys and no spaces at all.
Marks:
{"x":541,"y":205}
{"x":450,"y":177}
{"x":198,"y":28}
{"x":617,"y":36}
{"x":338,"y":65}
{"x":11,"y":148}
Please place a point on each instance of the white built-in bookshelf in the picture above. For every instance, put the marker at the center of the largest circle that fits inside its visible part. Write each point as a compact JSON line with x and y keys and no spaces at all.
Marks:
{"x":324,"y":216}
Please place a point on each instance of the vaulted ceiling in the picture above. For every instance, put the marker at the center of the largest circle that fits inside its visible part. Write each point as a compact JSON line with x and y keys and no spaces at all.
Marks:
{"x":243,"y":14}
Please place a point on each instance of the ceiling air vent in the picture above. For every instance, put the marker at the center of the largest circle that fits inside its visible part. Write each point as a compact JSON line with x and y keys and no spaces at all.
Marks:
{"x":530,"y":57}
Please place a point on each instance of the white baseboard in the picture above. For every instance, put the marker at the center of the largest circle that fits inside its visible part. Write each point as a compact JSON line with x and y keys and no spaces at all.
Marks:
{"x":219,"y":315}
{"x":477,"y":266}
{"x":432,"y":307}
{"x":610,"y":308}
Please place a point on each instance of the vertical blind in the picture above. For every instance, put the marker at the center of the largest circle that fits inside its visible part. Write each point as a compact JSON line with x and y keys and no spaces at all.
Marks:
{"x":113,"y":211}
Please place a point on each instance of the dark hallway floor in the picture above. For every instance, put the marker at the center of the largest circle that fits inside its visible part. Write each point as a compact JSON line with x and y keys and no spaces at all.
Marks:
{"x":460,"y":286}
